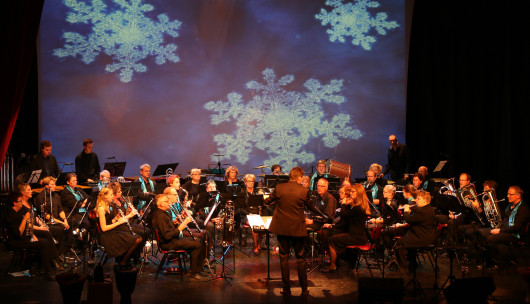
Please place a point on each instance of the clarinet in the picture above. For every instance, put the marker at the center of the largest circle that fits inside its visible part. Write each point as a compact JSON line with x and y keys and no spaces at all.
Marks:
{"x":126,"y":220}
{"x":182,"y":220}
{"x":188,"y":212}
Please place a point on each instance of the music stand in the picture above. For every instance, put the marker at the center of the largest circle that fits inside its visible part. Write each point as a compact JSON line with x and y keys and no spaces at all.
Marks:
{"x":440,"y":166}
{"x":130,"y":188}
{"x":260,"y":224}
{"x":34,"y":177}
{"x":115,"y":168}
{"x":162,"y":169}
{"x":271,"y":181}
{"x":334,"y":183}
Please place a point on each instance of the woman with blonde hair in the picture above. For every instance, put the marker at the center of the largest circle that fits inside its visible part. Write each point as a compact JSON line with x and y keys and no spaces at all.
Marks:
{"x":116,"y":237}
{"x":350,"y":229}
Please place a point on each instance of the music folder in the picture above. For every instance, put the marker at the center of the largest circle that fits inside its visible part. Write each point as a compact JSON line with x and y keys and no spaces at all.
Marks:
{"x":34,"y":177}
{"x":258,"y":222}
{"x":116,"y":168}
{"x":162,"y":169}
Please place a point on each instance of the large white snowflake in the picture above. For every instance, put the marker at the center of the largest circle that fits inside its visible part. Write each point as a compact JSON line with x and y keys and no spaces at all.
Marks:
{"x":281,"y":122}
{"x":354,"y":20}
{"x":125,"y":34}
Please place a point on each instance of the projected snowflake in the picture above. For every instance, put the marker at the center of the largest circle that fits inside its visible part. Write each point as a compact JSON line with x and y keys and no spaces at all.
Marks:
{"x":126,"y":35}
{"x":281,"y":122}
{"x":354,"y":20}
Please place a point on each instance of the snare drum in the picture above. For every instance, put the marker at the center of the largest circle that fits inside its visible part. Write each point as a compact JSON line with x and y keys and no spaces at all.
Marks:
{"x":338,"y":169}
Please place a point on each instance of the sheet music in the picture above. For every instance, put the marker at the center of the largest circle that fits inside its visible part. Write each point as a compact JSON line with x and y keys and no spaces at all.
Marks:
{"x":257,"y":220}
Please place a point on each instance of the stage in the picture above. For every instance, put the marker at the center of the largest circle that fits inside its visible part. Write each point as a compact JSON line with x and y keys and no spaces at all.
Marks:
{"x":249,"y":283}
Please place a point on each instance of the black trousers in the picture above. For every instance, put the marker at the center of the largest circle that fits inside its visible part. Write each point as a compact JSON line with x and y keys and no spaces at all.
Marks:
{"x":196,"y":249}
{"x":42,"y":245}
{"x":297,"y":243}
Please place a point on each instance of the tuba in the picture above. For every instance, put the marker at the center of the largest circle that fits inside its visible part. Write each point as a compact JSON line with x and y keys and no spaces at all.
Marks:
{"x":491,"y":208}
{"x":448,"y":185}
{"x":467,"y":195}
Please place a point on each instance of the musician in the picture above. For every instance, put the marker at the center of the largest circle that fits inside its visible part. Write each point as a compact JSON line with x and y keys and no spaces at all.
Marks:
{"x":75,"y":203}
{"x":464,"y":217}
{"x":380,"y":178}
{"x":45,"y":161}
{"x":119,"y":241}
{"x":87,"y":163}
{"x":172,"y":238}
{"x":305,"y":182}
{"x":321,"y":173}
{"x":147,"y":185}
{"x":373,"y":190}
{"x":119,"y":202}
{"x":288,"y":223}
{"x":232,"y":184}
{"x":350,"y":229}
{"x":325,"y":202}
{"x":104,"y":180}
{"x":389,"y":213}
{"x":417,"y":181}
{"x":40,"y":229}
{"x":470,"y":230}
{"x":18,"y":238}
{"x":249,"y":190}
{"x":409,"y":194}
{"x":398,"y":159}
{"x":276,"y":170}
{"x":420,"y":219}
{"x":193,"y":186}
{"x":429,"y":184}
{"x":512,"y":229}
{"x":173,"y":181}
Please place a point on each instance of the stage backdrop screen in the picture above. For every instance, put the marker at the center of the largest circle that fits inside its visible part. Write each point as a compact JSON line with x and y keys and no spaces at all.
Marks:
{"x":239,"y":82}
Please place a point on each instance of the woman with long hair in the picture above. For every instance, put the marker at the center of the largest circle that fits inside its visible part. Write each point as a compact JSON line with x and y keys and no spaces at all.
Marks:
{"x":350,"y":229}
{"x":116,"y":237}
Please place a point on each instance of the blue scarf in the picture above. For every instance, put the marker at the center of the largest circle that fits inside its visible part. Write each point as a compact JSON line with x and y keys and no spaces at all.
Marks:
{"x":77,"y":196}
{"x":141,"y":203}
{"x":511,"y":220}
{"x":374,"y":189}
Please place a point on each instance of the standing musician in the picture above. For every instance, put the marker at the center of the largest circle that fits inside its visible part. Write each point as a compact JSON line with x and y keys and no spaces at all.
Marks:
{"x":172,"y":238}
{"x":20,"y":236}
{"x":288,"y":223}
{"x":45,"y":161}
{"x":350,"y":229}
{"x":75,"y":203}
{"x":87,"y":163}
{"x":398,"y":159}
{"x":40,"y":229}
{"x":118,"y":239}
{"x":373,"y":190}
{"x":321,"y":173}
{"x":512,"y":229}
{"x":148,"y":188}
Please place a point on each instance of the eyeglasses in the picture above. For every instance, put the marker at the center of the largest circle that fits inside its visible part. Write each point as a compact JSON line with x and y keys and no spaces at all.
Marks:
{"x":341,"y":192}
{"x":511,"y":194}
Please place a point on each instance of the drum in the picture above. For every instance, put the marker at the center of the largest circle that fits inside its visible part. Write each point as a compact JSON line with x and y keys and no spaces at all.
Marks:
{"x":338,"y":169}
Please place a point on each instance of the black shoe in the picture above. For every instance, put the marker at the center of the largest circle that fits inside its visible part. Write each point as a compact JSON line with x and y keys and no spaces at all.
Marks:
{"x":329,"y":270}
{"x":285,"y":292}
{"x":305,"y":292}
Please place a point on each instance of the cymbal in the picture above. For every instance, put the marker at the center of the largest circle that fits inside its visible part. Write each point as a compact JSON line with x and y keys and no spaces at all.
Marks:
{"x":261,"y":175}
{"x":218,"y":155}
{"x":261,"y":167}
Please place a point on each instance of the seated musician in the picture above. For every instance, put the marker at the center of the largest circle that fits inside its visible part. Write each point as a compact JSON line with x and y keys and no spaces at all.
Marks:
{"x":429,"y":184}
{"x":173,"y":181}
{"x":325,"y":202}
{"x":321,"y":173}
{"x":417,"y":181}
{"x":232,"y":183}
{"x":104,"y":180}
{"x":421,"y":230}
{"x":20,"y":235}
{"x":250,"y":189}
{"x":87,"y":163}
{"x":116,"y":236}
{"x":389,"y":212}
{"x":45,"y":161}
{"x":177,"y":213}
{"x":379,"y":177}
{"x":75,"y":203}
{"x":373,"y":191}
{"x":148,"y":188}
{"x":462,"y":216}
{"x":48,"y":203}
{"x":193,"y":187}
{"x":470,"y":230}
{"x":172,"y":238}
{"x":306,"y":182}
{"x":350,"y":229}
{"x":40,"y":229}
{"x":276,"y":170}
{"x":513,"y":228}
{"x":119,"y":202}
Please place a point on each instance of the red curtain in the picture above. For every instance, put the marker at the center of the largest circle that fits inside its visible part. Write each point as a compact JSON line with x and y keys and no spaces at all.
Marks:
{"x":20,"y":26}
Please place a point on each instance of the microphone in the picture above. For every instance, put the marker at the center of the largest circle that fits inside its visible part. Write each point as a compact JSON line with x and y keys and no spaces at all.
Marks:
{"x":112,"y":157}
{"x":68,"y":164}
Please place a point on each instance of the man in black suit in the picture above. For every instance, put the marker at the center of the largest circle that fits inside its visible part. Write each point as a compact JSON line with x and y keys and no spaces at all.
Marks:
{"x":288,"y":223}
{"x":45,"y":161}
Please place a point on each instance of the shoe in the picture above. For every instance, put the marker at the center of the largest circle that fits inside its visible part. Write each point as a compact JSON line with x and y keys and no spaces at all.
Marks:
{"x":305,"y":292}
{"x":285,"y":292}
{"x":329,"y":270}
{"x":256,"y":251}
{"x":199,"y":277}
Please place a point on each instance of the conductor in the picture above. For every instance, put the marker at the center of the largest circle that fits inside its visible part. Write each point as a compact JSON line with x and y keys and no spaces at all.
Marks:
{"x":288,"y":223}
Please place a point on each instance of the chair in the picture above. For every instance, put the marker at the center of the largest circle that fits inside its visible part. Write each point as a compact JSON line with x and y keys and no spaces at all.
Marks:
{"x":519,"y":247}
{"x":365,"y":250}
{"x":180,"y":255}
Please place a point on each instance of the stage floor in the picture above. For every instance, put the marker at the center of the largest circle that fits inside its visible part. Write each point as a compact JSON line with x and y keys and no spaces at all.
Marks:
{"x":249,"y":284}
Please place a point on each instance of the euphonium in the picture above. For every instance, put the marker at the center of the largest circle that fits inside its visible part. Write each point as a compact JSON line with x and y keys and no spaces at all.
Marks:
{"x":491,"y":208}
{"x":467,"y":195}
{"x":449,"y":185}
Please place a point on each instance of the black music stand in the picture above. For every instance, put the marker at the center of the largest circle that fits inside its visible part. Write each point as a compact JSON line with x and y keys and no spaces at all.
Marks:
{"x":161,"y":170}
{"x":261,"y":225}
{"x":115,"y":168}
{"x":271,"y":181}
{"x":34,"y":177}
{"x":334,"y":183}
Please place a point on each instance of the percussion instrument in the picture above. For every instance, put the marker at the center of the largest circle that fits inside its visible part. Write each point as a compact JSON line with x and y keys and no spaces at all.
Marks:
{"x":338,"y":169}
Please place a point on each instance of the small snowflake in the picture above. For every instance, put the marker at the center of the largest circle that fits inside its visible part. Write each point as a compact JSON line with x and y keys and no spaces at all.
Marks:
{"x":126,"y":35}
{"x":281,"y":122}
{"x":354,"y":20}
